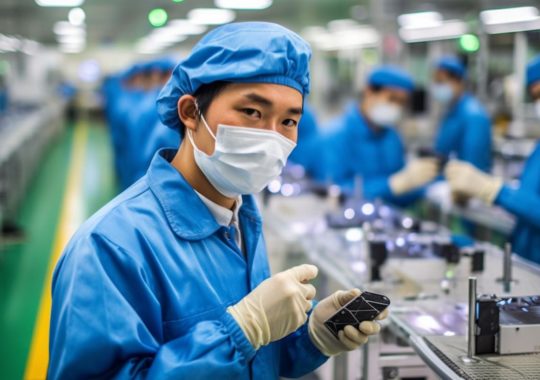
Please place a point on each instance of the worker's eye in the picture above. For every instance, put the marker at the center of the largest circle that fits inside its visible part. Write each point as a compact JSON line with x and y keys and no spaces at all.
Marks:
{"x":290,"y":123}
{"x":251,"y":112}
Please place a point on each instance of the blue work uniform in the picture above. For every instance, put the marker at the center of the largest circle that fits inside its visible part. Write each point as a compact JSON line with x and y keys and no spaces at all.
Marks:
{"x":524,"y":203}
{"x":142,"y":288}
{"x":352,"y":148}
{"x":465,"y":131}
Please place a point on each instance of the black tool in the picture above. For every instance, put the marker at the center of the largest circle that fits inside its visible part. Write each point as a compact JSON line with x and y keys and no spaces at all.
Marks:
{"x":366,"y":307}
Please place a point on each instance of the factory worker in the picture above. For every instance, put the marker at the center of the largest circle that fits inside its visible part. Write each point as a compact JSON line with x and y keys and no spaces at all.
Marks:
{"x":364,"y":143}
{"x":465,"y":128}
{"x":171,"y":279}
{"x":522,"y":201}
{"x":145,"y":134}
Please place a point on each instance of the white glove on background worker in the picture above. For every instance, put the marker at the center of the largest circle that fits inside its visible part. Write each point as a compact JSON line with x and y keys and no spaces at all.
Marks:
{"x":350,"y":338}
{"x":277,"y":307}
{"x":465,"y":179}
{"x":417,"y":173}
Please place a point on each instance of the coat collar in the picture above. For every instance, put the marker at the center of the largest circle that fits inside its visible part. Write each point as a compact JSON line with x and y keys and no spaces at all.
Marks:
{"x":187,"y":215}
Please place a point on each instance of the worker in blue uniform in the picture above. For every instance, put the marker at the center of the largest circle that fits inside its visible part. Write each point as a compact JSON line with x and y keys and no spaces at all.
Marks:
{"x":171,"y":280}
{"x":465,"y":129}
{"x":363,"y":143}
{"x":308,"y":130}
{"x":523,"y":200}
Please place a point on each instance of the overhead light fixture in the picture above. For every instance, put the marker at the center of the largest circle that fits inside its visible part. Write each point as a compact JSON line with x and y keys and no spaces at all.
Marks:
{"x":157,"y":17}
{"x":510,"y":20}
{"x":76,"y":16}
{"x":420,"y":19}
{"x":66,"y":28}
{"x":59,"y":3}
{"x":243,"y":4}
{"x":357,"y":37}
{"x":185,"y":27}
{"x":445,"y":31}
{"x":210,"y":16}
{"x":71,"y":39}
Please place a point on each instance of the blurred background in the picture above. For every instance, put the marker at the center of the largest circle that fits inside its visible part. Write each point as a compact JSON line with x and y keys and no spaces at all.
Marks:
{"x":79,"y":79}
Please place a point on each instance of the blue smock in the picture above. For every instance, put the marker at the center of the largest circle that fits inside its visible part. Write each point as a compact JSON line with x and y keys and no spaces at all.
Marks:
{"x":352,"y":148}
{"x":524,"y":203}
{"x":144,"y":136}
{"x":465,"y":131}
{"x":142,"y":288}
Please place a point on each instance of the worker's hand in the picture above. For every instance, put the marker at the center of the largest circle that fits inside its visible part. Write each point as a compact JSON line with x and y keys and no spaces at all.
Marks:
{"x":350,"y":338}
{"x":466,"y":180}
{"x":416,"y":174}
{"x":277,"y":307}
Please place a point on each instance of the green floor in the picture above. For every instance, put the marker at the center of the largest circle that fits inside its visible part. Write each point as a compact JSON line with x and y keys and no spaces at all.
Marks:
{"x":23,"y":267}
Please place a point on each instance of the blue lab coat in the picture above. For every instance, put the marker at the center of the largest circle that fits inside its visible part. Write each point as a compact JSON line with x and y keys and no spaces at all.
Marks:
{"x":351,"y":148}
{"x":524,"y":203}
{"x":465,"y":131}
{"x":142,"y":288}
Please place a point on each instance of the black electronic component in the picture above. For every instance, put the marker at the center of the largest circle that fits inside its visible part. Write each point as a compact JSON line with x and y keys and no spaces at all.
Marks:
{"x":477,"y":261}
{"x":448,"y":251}
{"x":487,"y":325}
{"x":378,"y":254}
{"x":366,"y":307}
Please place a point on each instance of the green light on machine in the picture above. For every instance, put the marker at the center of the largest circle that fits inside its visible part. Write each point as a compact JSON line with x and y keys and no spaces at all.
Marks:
{"x":469,"y":43}
{"x":157,"y":17}
{"x":177,"y":1}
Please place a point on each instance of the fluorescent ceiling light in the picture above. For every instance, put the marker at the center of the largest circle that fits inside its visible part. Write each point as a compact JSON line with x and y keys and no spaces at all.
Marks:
{"x":184,"y":27}
{"x":210,"y":16}
{"x":357,"y":37}
{"x":510,"y":20}
{"x":59,"y":3}
{"x":508,"y":15}
{"x":243,"y":4}
{"x":76,"y":16}
{"x":65,"y":28}
{"x":446,"y":30}
{"x":69,"y":39}
{"x":420,"y":19}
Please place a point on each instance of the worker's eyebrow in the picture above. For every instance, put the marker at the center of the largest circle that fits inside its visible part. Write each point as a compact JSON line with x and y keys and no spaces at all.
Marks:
{"x":268,"y":103}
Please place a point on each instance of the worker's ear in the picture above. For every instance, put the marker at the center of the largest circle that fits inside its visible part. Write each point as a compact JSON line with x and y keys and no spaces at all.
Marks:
{"x":187,"y":111}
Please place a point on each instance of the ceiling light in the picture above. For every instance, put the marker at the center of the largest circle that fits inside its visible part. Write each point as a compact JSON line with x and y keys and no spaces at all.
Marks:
{"x":65,"y":28}
{"x":59,"y":3}
{"x":76,"y":16}
{"x":210,"y":16}
{"x":71,"y":39}
{"x":510,"y":20}
{"x":508,"y":15}
{"x":446,"y":30}
{"x":420,"y":19}
{"x":243,"y":4}
{"x":157,"y":17}
{"x":185,"y":27}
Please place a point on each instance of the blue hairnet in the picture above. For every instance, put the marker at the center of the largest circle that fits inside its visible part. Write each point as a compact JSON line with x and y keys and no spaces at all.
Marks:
{"x":452,"y":65}
{"x":533,"y":71}
{"x":257,"y":52}
{"x":391,"y":76}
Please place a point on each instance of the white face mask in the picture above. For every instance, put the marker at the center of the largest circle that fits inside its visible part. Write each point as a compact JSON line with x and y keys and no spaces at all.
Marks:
{"x":537,"y":108}
{"x":385,"y":114}
{"x":245,"y":159}
{"x":442,"y":93}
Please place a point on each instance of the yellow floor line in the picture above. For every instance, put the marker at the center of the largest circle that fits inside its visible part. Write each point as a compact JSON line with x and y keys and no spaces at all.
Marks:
{"x":71,"y":216}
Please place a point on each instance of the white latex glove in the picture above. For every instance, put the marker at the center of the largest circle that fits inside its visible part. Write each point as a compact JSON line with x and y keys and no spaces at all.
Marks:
{"x":350,"y":338}
{"x":277,"y":307}
{"x":465,"y":179}
{"x":417,"y":173}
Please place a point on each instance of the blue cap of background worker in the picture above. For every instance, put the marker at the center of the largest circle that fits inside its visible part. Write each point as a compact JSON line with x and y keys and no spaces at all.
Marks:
{"x":249,"y":52}
{"x":533,"y":71}
{"x":453,"y":65}
{"x":391,"y":76}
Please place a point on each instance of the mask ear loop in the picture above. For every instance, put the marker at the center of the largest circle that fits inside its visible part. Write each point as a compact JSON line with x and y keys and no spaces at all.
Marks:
{"x":204,"y":120}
